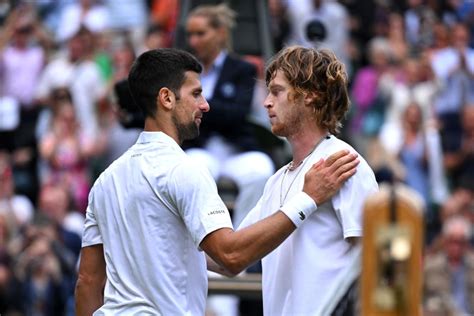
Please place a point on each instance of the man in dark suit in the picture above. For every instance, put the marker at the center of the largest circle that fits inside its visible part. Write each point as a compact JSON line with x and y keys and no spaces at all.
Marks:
{"x":227,"y":144}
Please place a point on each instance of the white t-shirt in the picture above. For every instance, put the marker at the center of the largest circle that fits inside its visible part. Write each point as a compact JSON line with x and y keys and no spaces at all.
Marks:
{"x":151,"y":209}
{"x":299,"y":273}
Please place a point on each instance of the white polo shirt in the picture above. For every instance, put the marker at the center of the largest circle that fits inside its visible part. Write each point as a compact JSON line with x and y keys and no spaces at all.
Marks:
{"x":299,"y":275}
{"x":151,"y":209}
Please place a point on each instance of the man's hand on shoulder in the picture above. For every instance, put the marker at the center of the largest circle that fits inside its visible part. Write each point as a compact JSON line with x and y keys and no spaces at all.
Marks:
{"x":326,"y":177}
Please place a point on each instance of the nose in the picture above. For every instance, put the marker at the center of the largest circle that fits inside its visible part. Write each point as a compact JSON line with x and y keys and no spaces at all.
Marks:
{"x":193,"y":40}
{"x":267,"y":103}
{"x":204,"y":106}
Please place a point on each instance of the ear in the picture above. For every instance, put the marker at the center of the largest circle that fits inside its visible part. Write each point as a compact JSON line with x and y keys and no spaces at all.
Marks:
{"x":310,"y":98}
{"x":166,"y":98}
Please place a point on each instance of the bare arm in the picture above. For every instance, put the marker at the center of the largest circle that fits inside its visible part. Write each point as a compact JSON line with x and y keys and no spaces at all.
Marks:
{"x":235,"y":250}
{"x":215,"y":267}
{"x":91,"y":280}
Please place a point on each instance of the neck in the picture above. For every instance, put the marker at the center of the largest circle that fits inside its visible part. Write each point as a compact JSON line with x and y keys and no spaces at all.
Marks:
{"x":304,"y":142}
{"x":155,"y":125}
{"x":207,"y":62}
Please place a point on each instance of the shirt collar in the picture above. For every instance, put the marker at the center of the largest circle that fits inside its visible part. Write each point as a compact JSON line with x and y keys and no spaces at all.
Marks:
{"x":160,"y":137}
{"x":219,"y":61}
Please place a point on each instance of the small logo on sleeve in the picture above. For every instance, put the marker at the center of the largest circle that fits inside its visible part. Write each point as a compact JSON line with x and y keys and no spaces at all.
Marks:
{"x":216,"y":212}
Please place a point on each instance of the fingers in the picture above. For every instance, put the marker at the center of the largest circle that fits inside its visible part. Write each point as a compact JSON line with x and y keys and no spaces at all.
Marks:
{"x":318,"y":164}
{"x":347,"y":158}
{"x":346,"y":167}
{"x":334,"y":157}
{"x":346,"y":175}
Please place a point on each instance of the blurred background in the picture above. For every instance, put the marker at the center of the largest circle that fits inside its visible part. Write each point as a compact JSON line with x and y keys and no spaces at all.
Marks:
{"x":65,"y":115}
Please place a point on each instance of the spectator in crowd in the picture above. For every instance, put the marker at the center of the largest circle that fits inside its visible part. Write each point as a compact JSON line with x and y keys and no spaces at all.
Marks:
{"x":155,"y":38}
{"x":453,"y":67}
{"x":10,"y":295}
{"x":45,"y":269}
{"x":396,"y":38}
{"x":21,"y":61}
{"x":416,"y":154}
{"x":227,"y":144}
{"x":81,"y":76}
{"x":449,"y":272}
{"x":419,"y":19}
{"x":66,"y":149}
{"x":55,"y":202}
{"x":406,"y":88}
{"x":368,"y":101}
{"x":15,"y":207}
{"x":459,"y":156}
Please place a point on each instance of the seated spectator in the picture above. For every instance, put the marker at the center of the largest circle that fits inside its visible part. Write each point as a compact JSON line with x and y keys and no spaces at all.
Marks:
{"x":448,"y":273}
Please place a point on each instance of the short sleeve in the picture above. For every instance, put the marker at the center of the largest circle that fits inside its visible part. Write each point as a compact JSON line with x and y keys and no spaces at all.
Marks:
{"x":91,"y":235}
{"x":349,"y":202}
{"x":195,"y":195}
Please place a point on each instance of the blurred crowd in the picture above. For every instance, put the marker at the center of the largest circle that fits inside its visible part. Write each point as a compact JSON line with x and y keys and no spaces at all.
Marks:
{"x":411,"y":72}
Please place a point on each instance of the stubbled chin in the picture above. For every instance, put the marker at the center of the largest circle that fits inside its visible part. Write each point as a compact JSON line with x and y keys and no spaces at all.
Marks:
{"x":277,"y":130}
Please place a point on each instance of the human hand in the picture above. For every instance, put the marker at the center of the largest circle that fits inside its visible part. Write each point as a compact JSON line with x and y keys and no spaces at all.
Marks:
{"x":326,"y":177}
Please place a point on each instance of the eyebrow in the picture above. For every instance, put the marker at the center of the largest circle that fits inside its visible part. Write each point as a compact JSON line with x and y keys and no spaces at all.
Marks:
{"x":275,"y":86}
{"x":197,"y":89}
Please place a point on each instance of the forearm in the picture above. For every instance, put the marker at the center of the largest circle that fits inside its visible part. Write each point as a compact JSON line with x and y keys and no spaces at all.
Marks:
{"x":89,"y":293}
{"x":256,"y":241}
{"x":89,"y":297}
{"x":236,"y":250}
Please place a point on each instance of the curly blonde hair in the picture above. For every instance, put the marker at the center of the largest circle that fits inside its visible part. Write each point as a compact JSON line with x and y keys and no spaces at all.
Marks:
{"x":319,"y":73}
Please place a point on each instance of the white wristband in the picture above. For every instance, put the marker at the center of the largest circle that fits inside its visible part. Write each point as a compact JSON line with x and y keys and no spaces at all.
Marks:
{"x":299,"y":207}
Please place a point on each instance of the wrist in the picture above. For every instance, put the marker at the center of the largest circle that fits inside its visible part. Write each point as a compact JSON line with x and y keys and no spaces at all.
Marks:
{"x":299,"y":208}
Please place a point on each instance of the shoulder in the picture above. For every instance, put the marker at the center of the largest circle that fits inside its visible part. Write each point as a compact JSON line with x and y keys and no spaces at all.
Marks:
{"x":333,"y":144}
{"x":188,"y":170}
{"x":364,"y":171}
